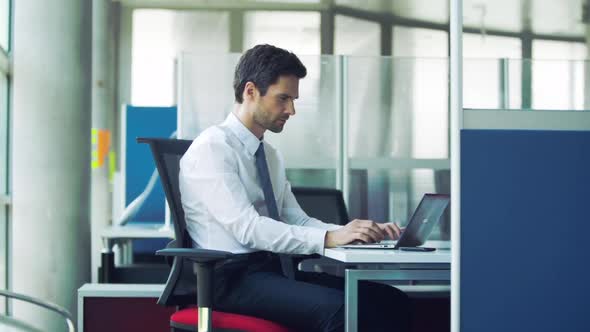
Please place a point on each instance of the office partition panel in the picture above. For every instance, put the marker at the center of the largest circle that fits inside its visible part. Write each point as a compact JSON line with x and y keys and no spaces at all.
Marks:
{"x":524,"y":221}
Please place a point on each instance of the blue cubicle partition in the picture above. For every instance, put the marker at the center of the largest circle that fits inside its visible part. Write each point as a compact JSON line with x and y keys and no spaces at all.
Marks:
{"x":139,"y":164}
{"x":525,"y":230}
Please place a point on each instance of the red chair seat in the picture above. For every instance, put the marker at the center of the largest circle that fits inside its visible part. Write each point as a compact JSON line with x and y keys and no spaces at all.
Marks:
{"x":225,"y":320}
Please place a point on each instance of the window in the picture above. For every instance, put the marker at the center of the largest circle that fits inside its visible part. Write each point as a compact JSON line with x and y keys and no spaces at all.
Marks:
{"x":298,"y":32}
{"x":158,"y":37}
{"x":356,"y":37}
{"x":485,"y":85}
{"x":558,"y":75}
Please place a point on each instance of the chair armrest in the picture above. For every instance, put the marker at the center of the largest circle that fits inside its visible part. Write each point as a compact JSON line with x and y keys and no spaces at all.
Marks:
{"x":204,"y":262}
{"x":195,"y":254}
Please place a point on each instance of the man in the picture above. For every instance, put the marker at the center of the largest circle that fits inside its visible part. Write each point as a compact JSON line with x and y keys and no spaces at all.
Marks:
{"x":236,"y":198}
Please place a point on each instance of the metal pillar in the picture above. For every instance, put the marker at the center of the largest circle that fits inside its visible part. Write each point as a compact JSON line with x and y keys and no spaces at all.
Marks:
{"x":456,"y":111}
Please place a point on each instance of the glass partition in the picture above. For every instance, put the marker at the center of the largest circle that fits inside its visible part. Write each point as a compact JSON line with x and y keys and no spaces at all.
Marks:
{"x":507,"y":83}
{"x":309,"y":143}
{"x":375,"y":127}
{"x":397,"y":134}
{"x":205,"y":91}
{"x":558,"y":84}
{"x":3,"y":185}
{"x":4,"y":24}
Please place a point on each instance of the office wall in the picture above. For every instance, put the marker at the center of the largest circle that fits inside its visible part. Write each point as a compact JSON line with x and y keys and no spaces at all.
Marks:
{"x":50,"y":241}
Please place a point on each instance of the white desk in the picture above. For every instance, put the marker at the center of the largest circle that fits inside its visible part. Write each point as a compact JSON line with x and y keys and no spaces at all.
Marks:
{"x":122,"y":235}
{"x":393,"y":265}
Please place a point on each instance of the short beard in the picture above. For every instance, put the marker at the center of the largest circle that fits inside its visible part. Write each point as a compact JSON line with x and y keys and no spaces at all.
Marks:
{"x":266,"y":123}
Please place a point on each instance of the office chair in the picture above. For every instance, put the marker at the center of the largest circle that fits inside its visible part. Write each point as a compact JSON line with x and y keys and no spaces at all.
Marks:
{"x":324,"y":204}
{"x":179,"y":289}
{"x":328,"y":206}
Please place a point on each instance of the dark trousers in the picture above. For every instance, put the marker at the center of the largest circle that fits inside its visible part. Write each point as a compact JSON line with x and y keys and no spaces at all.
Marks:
{"x":254,"y":285}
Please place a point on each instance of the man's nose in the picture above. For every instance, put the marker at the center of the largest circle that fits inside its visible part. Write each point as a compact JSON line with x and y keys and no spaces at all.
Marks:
{"x":291,"y":108}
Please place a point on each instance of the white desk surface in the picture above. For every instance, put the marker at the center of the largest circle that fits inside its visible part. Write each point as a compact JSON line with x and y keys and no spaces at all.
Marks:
{"x":137,"y":231}
{"x":441,"y":255}
{"x":120,"y":290}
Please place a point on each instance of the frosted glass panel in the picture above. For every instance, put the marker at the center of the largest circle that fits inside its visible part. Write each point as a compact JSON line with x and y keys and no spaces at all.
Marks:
{"x":3,"y":184}
{"x":558,"y":84}
{"x":158,"y":37}
{"x":488,"y":82}
{"x":481,"y":87}
{"x":389,"y":123}
{"x":397,"y":107}
{"x":309,"y":140}
{"x":4,"y":24}
{"x":397,"y":125}
{"x":205,"y":92}
{"x":298,"y":32}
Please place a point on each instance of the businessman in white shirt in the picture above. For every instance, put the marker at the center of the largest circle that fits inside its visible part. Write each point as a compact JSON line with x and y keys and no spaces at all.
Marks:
{"x":236,"y":198}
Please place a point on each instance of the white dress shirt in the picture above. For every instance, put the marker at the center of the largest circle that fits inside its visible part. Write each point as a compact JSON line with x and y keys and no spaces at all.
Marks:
{"x":224,"y":203}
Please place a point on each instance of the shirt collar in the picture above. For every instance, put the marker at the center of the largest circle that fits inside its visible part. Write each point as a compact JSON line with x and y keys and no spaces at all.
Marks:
{"x":250,"y":141}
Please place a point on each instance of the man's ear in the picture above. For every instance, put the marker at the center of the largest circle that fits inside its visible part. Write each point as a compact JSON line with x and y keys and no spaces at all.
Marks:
{"x":250,"y":91}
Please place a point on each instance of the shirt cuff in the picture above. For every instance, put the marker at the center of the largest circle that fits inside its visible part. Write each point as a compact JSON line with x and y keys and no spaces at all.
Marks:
{"x":317,"y":239}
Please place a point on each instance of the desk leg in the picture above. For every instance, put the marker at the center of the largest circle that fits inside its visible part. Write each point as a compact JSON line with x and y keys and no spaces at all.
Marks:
{"x":126,"y":252}
{"x":351,"y":300}
{"x":352,"y":278}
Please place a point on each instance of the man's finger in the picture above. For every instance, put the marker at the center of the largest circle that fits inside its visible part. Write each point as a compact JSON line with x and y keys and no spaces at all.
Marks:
{"x":376,"y":235}
{"x":389,"y":232}
{"x":396,"y":229}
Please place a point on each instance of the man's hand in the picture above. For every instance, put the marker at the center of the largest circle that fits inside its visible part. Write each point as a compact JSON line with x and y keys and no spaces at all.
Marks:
{"x":366,"y":231}
{"x":392,"y":230}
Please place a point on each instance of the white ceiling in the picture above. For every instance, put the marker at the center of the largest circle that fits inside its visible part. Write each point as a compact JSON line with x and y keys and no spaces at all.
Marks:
{"x":551,"y":17}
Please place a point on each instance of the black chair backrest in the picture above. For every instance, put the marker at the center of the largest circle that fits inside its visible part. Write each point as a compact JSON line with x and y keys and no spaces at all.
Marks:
{"x":324,"y":204}
{"x":180,"y":288}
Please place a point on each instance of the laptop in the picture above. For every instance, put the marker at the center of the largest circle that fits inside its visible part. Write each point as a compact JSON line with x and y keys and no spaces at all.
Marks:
{"x":421,"y":224}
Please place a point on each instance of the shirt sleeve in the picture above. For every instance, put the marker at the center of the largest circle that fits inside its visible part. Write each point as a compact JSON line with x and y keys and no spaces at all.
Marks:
{"x":211,"y":178}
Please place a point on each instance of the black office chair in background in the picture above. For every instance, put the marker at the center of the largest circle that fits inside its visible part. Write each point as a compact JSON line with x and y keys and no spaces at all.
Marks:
{"x":324,"y":204}
{"x":180,"y":288}
{"x":327,"y":205}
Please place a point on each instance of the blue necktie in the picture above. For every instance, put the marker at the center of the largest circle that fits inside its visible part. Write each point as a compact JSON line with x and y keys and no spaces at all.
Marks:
{"x":271,"y":204}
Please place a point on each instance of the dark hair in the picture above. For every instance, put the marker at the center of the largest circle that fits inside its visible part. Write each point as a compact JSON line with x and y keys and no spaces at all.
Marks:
{"x":262,"y":65}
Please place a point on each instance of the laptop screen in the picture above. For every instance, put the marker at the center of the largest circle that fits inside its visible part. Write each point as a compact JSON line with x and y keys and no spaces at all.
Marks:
{"x":424,"y":219}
